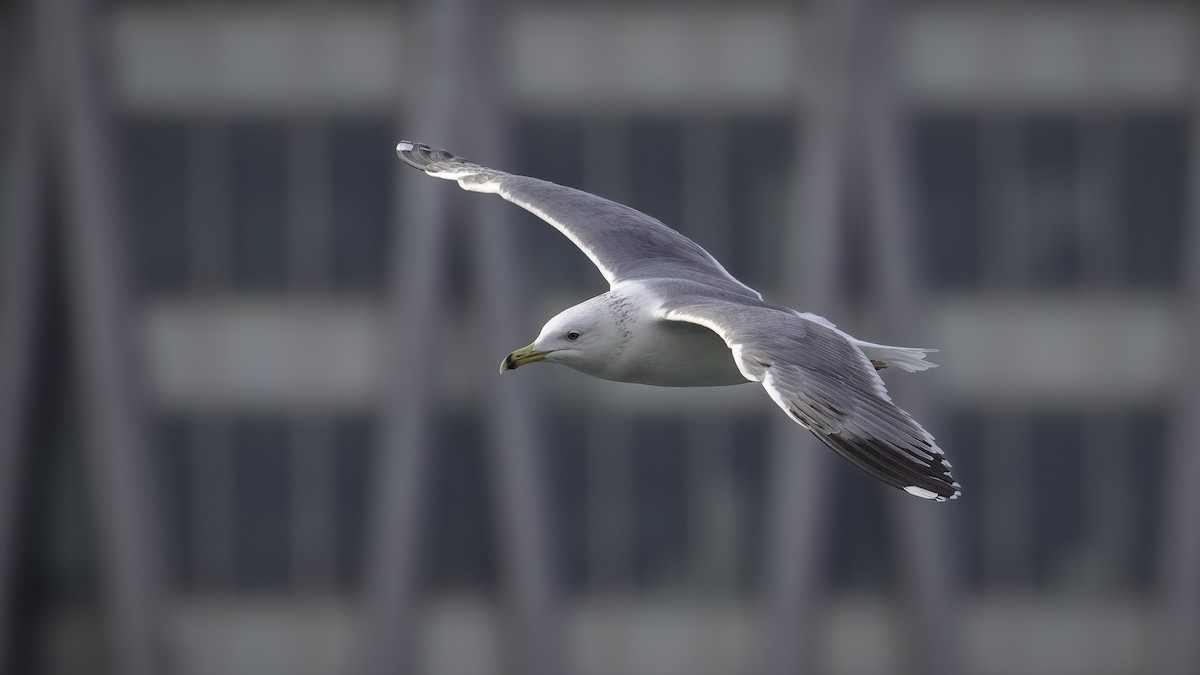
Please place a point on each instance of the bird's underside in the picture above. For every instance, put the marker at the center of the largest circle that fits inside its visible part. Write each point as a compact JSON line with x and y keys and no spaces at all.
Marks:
{"x":823,"y":379}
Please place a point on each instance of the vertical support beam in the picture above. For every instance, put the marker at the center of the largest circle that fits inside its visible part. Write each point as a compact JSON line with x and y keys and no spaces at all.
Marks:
{"x":463,"y":104}
{"x":402,"y":466}
{"x":928,"y":581}
{"x":21,"y":247}
{"x":1179,"y":617}
{"x":535,"y":634}
{"x":398,"y":490}
{"x":858,"y":34}
{"x":797,"y":492}
{"x":99,"y":302}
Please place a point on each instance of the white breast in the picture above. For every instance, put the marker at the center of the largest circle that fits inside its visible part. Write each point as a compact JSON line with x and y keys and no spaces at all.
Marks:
{"x":675,"y":354}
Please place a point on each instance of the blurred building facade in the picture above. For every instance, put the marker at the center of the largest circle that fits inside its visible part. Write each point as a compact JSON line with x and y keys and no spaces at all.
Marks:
{"x":1051,"y":148}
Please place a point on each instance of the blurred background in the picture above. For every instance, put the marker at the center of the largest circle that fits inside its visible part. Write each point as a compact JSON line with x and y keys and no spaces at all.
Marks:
{"x":250,"y":420}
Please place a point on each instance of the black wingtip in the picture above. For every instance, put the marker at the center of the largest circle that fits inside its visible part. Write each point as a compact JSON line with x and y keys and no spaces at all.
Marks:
{"x":898,"y":467}
{"x":422,"y":156}
{"x":416,"y":155}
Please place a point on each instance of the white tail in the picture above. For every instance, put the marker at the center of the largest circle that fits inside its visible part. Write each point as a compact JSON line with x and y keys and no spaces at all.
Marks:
{"x":910,"y":359}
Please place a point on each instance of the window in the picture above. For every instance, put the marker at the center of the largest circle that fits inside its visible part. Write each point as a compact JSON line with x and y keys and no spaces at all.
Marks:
{"x":1058,"y":498}
{"x":1052,"y":201}
{"x":656,"y":169}
{"x":861,"y":551}
{"x":264,"y":503}
{"x":362,"y":173}
{"x":1049,"y":212}
{"x":156,"y":183}
{"x":660,"y":499}
{"x":259,"y":212}
{"x":258,"y":205}
{"x":761,"y":162}
{"x":552,"y":148}
{"x":1055,"y":471}
{"x":170,"y":457}
{"x":948,"y":185}
{"x":569,"y":472}
{"x":461,"y":516}
{"x":1154,"y":174}
{"x":657,"y":501}
{"x":261,"y":503}
{"x":354,"y":454}
{"x":721,"y":181}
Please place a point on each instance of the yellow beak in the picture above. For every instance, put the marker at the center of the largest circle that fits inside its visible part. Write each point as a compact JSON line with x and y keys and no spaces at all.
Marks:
{"x":521,"y":357}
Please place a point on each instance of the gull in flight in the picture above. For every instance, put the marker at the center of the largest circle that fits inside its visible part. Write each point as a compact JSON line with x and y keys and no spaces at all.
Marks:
{"x":674,"y":317}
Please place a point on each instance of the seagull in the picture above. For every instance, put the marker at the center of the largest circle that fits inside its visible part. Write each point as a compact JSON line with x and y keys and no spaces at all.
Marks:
{"x":674,"y":317}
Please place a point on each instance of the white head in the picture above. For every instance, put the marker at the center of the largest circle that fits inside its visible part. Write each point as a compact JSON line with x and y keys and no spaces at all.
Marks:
{"x":586,"y":337}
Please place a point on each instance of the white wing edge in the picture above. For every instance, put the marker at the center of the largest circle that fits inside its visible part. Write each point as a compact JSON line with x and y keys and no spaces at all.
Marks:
{"x":477,"y":178}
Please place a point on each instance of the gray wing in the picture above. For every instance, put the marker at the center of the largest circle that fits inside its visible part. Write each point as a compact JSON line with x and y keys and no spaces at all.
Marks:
{"x":624,"y":243}
{"x":828,"y":386}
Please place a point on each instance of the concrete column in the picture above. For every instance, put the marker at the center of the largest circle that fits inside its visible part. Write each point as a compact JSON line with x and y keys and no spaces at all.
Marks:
{"x":798,"y":490}
{"x":458,"y":106}
{"x":1179,"y":578}
{"x":926,"y":610}
{"x":20,"y":301}
{"x":81,"y":140}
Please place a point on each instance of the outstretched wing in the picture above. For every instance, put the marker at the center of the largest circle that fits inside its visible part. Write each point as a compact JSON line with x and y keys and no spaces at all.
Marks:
{"x":624,"y":243}
{"x":828,"y":386}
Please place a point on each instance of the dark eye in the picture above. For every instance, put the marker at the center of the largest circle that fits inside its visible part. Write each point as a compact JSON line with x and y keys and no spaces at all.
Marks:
{"x":573,"y":335}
